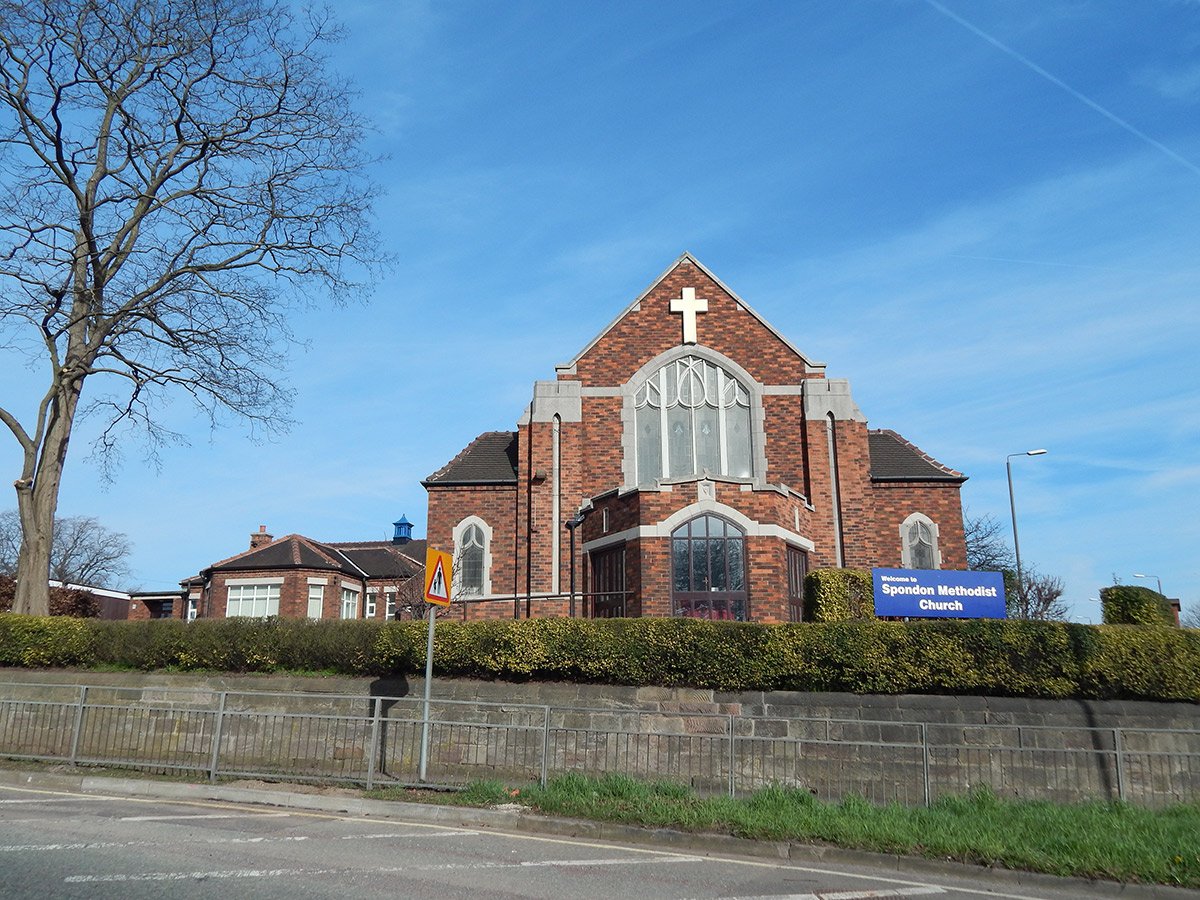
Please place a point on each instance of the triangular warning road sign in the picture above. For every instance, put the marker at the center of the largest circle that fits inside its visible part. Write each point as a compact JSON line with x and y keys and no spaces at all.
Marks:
{"x":437,"y":578}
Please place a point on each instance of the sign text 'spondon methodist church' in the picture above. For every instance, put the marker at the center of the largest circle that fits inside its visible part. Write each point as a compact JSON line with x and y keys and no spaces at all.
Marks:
{"x":944,"y":593}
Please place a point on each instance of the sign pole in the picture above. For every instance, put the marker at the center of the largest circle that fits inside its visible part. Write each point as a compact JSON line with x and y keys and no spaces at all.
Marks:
{"x":438,"y":578}
{"x":428,"y":691}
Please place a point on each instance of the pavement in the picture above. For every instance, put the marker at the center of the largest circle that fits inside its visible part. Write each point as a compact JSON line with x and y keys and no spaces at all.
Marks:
{"x":517,"y":819}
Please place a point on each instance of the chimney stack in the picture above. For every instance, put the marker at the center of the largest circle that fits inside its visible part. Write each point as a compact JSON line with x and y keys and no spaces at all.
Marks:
{"x":260,"y":538}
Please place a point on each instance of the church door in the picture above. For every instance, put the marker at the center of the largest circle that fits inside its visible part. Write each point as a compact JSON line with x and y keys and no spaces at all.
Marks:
{"x":708,"y":569}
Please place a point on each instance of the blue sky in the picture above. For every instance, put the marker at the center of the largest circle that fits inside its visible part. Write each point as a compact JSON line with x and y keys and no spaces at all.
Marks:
{"x":984,"y":214}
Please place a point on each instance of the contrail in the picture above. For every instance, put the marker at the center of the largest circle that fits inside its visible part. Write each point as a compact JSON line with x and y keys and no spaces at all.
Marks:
{"x":1030,"y":64}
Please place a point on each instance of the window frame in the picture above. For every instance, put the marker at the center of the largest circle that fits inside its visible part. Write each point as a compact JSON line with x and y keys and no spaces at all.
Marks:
{"x":346,"y":595}
{"x":270,"y":599}
{"x":319,"y":598}
{"x":700,"y":599}
{"x":629,"y":419}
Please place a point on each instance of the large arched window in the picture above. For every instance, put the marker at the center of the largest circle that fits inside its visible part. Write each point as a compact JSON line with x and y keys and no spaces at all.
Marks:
{"x":473,"y":558}
{"x":708,"y":569}
{"x":919,"y":543}
{"x":691,"y":416}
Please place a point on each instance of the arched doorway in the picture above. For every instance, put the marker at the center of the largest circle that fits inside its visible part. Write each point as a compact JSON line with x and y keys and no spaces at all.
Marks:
{"x":708,"y":569}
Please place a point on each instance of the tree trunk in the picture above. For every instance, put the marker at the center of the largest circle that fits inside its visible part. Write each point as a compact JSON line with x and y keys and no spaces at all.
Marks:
{"x":37,"y":503}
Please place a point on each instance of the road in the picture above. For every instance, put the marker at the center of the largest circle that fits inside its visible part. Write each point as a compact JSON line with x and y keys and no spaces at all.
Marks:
{"x":64,"y":844}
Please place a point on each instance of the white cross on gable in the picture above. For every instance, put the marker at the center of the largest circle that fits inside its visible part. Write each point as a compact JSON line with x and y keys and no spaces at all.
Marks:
{"x":689,"y":304}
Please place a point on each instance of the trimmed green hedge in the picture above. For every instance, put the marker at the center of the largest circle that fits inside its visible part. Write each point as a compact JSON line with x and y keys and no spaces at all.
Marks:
{"x":838,"y":595}
{"x":987,"y":657}
{"x":1130,"y":604}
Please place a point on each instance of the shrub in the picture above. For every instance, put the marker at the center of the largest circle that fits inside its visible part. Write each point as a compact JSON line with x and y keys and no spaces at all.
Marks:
{"x":836,"y":595}
{"x":1127,"y":604}
{"x":986,"y":657}
{"x":43,"y":641}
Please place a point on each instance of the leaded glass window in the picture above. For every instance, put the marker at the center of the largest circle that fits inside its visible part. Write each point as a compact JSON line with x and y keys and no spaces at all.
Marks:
{"x":470,"y":550}
{"x":922,"y":548}
{"x":691,"y":417}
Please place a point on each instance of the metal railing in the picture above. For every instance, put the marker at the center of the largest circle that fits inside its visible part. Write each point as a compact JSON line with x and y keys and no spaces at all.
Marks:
{"x":375,"y":740}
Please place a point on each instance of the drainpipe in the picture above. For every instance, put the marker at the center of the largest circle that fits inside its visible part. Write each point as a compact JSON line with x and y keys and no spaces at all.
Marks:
{"x":529,"y":511}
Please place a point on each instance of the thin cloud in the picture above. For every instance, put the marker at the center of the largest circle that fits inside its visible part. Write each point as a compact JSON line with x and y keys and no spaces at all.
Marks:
{"x":1181,"y":84}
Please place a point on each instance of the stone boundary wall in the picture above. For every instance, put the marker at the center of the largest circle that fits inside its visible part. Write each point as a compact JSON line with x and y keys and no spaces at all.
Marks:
{"x":930,"y":708}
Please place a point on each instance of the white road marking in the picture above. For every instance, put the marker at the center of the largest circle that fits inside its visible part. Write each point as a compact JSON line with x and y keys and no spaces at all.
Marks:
{"x":232,"y":815}
{"x":404,"y":834}
{"x":191,"y":842}
{"x":39,"y":800}
{"x":849,"y":895}
{"x":378,"y":870}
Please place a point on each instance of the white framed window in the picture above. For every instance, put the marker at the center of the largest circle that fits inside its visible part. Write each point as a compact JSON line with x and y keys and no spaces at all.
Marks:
{"x":255,"y":601}
{"x":919,"y":543}
{"x":473,"y":556}
{"x":692,"y":416}
{"x":372,"y":600}
{"x":389,"y":599}
{"x":191,"y":609}
{"x":349,"y":603}
{"x":316,"y":600}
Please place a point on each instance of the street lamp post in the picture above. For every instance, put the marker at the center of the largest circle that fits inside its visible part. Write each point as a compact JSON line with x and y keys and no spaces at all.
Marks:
{"x":1012,"y":505}
{"x":573,"y":523}
{"x":1155,"y":577}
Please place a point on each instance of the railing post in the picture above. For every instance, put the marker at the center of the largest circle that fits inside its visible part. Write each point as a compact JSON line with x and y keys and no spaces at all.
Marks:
{"x":216,"y":747}
{"x":373,"y":750}
{"x":1119,"y":748}
{"x":925,"y":761}
{"x":78,"y":731}
{"x":732,"y":758}
{"x":546,"y":742}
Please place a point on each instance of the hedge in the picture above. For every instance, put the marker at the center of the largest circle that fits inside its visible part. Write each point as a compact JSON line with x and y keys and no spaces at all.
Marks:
{"x":838,"y":595}
{"x":1130,"y":604}
{"x":983,"y":657}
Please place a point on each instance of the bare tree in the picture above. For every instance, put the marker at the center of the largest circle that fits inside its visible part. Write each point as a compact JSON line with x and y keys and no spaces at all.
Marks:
{"x":987,"y":550}
{"x":1190,"y":617}
{"x":1040,"y":597}
{"x":10,"y":542}
{"x":84,"y":551}
{"x":175,"y":175}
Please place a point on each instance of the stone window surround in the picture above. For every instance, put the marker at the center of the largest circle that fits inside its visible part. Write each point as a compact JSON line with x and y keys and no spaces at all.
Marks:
{"x":663,"y":529}
{"x":906,"y":553}
{"x":486,"y":530}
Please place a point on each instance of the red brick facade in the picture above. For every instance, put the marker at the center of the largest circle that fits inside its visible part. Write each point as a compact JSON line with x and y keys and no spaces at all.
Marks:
{"x":296,"y":577}
{"x":819,"y":481}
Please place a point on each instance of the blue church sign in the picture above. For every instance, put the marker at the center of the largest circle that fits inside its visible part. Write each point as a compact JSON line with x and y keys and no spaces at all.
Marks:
{"x":939,"y":593}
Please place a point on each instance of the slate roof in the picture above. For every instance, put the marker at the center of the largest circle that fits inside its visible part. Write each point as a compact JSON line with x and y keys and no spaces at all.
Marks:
{"x":895,"y":459}
{"x":489,"y":459}
{"x":383,"y":559}
{"x":492,"y":459}
{"x":375,"y":559}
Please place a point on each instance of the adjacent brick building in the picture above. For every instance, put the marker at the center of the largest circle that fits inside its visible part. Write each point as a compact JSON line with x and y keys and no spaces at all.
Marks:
{"x":295,"y":576}
{"x":698,"y":464}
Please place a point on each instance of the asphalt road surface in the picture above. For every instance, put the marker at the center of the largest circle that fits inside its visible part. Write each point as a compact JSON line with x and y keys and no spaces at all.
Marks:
{"x":63,"y":844}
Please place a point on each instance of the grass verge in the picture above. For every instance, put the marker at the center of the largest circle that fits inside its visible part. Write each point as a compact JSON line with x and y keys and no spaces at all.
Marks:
{"x":1112,"y":841}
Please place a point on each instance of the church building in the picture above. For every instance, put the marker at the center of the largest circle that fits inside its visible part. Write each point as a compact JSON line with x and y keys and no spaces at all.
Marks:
{"x":689,"y":461}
